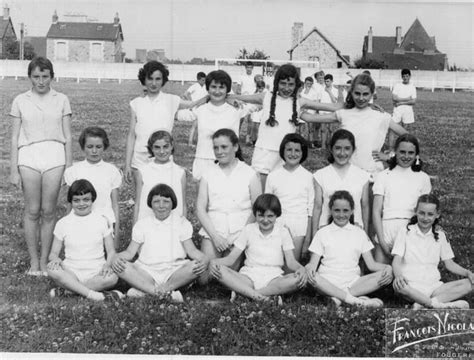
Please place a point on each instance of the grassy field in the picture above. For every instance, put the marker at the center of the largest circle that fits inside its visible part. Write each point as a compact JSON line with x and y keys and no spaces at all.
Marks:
{"x":207,"y":323}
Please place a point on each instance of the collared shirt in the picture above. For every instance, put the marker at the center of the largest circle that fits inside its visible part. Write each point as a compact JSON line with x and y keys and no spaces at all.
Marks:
{"x":153,"y":114}
{"x":41,"y":116}
{"x":161,"y":241}
{"x":264,"y":250}
{"x":196,"y":91}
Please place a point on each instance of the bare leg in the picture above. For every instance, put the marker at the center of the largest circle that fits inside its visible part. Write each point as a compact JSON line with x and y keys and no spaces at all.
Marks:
{"x":68,"y":280}
{"x":366,"y":284}
{"x":281,"y":285}
{"x":298,"y":242}
{"x":327,"y":288}
{"x":380,"y":256}
{"x":181,"y":277}
{"x":263,"y":180}
{"x":239,"y":283}
{"x":453,"y":290}
{"x":31,"y":184}
{"x":138,"y":278}
{"x":51,"y":184}
{"x":415,"y":295}
{"x":101,"y":282}
{"x":208,"y":248}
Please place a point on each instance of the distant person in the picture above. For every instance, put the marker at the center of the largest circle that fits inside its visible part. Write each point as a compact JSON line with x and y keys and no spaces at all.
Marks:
{"x":404,"y":98}
{"x":256,"y":116}
{"x":330,"y":95}
{"x":195,"y":92}
{"x":246,"y":82}
{"x":41,"y":148}
{"x":309,"y":92}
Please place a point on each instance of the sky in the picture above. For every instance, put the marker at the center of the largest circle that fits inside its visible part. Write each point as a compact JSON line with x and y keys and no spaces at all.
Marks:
{"x":219,"y":28}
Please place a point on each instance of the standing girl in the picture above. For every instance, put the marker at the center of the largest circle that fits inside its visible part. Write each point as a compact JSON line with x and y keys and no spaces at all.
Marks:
{"x":340,"y":174}
{"x":396,"y":191}
{"x":225,"y":197}
{"x":40,"y":150}
{"x":104,"y":176}
{"x":268,"y":247}
{"x":154,"y":111}
{"x":294,"y":187}
{"x":162,"y":169}
{"x":339,"y":247}
{"x":417,"y":252}
{"x":368,"y":126}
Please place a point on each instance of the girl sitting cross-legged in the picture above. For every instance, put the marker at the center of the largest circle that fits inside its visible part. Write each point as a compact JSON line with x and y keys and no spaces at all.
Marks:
{"x":163,"y":242}
{"x":268,"y":247}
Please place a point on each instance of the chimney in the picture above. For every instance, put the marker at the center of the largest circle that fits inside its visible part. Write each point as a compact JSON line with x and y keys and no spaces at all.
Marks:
{"x":370,"y":41}
{"x":398,"y":33}
{"x":116,"y":19}
{"x":296,"y":33}
{"x":55,"y":17}
{"x":6,"y":12}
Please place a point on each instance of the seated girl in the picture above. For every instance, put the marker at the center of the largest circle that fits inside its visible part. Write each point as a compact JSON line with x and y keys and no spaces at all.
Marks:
{"x":163,"y":242}
{"x":339,"y":247}
{"x":84,"y":234}
{"x":268,"y":247}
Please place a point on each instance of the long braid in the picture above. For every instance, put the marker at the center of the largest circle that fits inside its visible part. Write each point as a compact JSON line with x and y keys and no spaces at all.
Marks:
{"x":271,"y":121}
{"x":294,"y":116}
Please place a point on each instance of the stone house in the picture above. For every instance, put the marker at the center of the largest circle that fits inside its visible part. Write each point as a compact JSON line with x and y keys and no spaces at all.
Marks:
{"x":314,"y":46}
{"x":7,"y":32}
{"x":85,"y":41}
{"x":416,"y":50}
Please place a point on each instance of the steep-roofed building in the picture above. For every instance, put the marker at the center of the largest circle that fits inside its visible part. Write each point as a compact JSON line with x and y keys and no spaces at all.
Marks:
{"x":7,"y":32}
{"x":85,"y":41}
{"x":416,"y":50}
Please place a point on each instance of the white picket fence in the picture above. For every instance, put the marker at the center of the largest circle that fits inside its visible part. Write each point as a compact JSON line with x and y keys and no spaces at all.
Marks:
{"x":183,"y":72}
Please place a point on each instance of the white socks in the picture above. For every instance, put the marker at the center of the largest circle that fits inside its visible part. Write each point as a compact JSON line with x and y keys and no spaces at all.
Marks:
{"x":95,"y":295}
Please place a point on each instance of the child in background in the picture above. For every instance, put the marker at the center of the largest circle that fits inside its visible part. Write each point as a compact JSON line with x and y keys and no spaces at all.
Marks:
{"x":195,"y":92}
{"x":162,"y":169}
{"x":256,"y":116}
{"x":104,"y":176}
{"x":404,"y":98}
{"x":268,"y":247}
{"x":330,"y":95}
{"x":83,"y":233}
{"x":417,"y":251}
{"x":339,"y":247}
{"x":163,"y":243}
{"x":309,"y":92}
{"x":294,"y":187}
{"x":396,"y":191}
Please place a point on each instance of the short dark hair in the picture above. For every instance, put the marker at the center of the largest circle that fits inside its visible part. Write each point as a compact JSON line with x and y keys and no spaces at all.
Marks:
{"x":294,"y":138}
{"x":158,"y":135}
{"x":406,"y":72}
{"x":81,"y":187}
{"x":318,"y":73}
{"x":266,"y":202}
{"x":149,"y":68}
{"x":42,"y":63}
{"x":162,"y":190}
{"x":200,"y":75}
{"x":93,"y":131}
{"x":328,"y":77}
{"x":219,"y":77}
{"x":234,"y":139}
{"x":367,"y":72}
{"x":308,"y":78}
{"x":249,"y":63}
{"x":340,"y":134}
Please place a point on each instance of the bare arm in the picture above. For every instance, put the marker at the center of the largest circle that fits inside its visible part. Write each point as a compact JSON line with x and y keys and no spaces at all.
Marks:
{"x":399,"y":281}
{"x":372,"y":265}
{"x":183,"y":192}
{"x":252,"y":98}
{"x":397,"y":128}
{"x":318,"y":207}
{"x":68,"y":136}
{"x":255,"y":188}
{"x":138,"y":194}
{"x":312,"y":266}
{"x":192,"y":133}
{"x":55,"y":250}
{"x":316,"y":105}
{"x":109,"y":249}
{"x":318,"y":118}
{"x":365,"y":207}
{"x":119,"y":260}
{"x":186,"y":104}
{"x":131,"y":137}
{"x":455,"y":268}
{"x":377,"y":210}
{"x":14,"y":173}
{"x":114,"y":195}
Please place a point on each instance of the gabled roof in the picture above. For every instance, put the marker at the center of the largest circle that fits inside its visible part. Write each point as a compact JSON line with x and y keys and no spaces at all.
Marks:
{"x":4,"y":26}
{"x":324,"y":38}
{"x":415,"y":61}
{"x":417,"y":35}
{"x":381,"y":44}
{"x":85,"y":31}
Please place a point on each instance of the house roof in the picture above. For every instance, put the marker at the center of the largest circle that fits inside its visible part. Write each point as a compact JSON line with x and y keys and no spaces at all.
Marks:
{"x":418,"y":36}
{"x":381,"y":44}
{"x":415,"y":61}
{"x":314,"y":29}
{"x":4,"y":26}
{"x":85,"y":31}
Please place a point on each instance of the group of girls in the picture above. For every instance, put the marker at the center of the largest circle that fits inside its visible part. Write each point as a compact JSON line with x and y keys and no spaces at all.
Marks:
{"x":275,"y":230}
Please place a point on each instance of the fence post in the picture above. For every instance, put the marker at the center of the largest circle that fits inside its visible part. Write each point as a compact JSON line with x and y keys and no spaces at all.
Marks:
{"x":454,"y":82}
{"x":432,"y":85}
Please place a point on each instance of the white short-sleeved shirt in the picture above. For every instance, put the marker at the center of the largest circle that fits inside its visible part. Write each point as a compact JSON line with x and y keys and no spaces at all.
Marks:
{"x":229,"y":201}
{"x":326,"y":99}
{"x":330,"y":181}
{"x":421,"y":253}
{"x":247,"y":84}
{"x":104,"y":176}
{"x":312,"y":95}
{"x":270,"y":137}
{"x":161,"y":241}
{"x":83,"y":236}
{"x":340,"y":249}
{"x":369,"y":127}
{"x":153,"y":114}
{"x":153,"y":174}
{"x":211,"y":118}
{"x":401,"y":188}
{"x":41,"y":116}
{"x":294,"y":189}
{"x":404,"y":91}
{"x":196,"y":91}
{"x":264,"y":250}
{"x":319,"y":89}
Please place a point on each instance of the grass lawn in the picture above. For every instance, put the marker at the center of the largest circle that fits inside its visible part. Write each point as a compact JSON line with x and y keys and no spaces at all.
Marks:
{"x":207,"y":323}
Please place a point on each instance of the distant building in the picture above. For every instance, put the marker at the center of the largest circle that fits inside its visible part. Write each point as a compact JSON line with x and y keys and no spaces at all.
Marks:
{"x":416,"y":50}
{"x":156,"y":54}
{"x":38,"y":43}
{"x":7,"y":32}
{"x":85,"y":41}
{"x":314,"y":46}
{"x":140,"y":55}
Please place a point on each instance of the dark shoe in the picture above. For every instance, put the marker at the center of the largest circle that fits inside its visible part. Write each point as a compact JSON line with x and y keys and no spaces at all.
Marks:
{"x":113,"y":295}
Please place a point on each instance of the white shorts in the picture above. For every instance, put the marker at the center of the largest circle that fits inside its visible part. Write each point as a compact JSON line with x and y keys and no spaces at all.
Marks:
{"x":201,"y":166}
{"x":425,"y":288}
{"x":403,"y":114}
{"x":161,"y":273}
{"x":296,"y":224}
{"x":140,"y":158}
{"x":261,"y":276}
{"x":342,"y":280}
{"x":42,"y":156}
{"x":391,"y":227}
{"x":185,"y":115}
{"x":84,"y":270}
{"x":264,"y":160}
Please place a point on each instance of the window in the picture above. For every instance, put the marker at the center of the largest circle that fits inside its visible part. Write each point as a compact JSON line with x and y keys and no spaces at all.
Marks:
{"x":97,"y":52}
{"x":61,"y":51}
